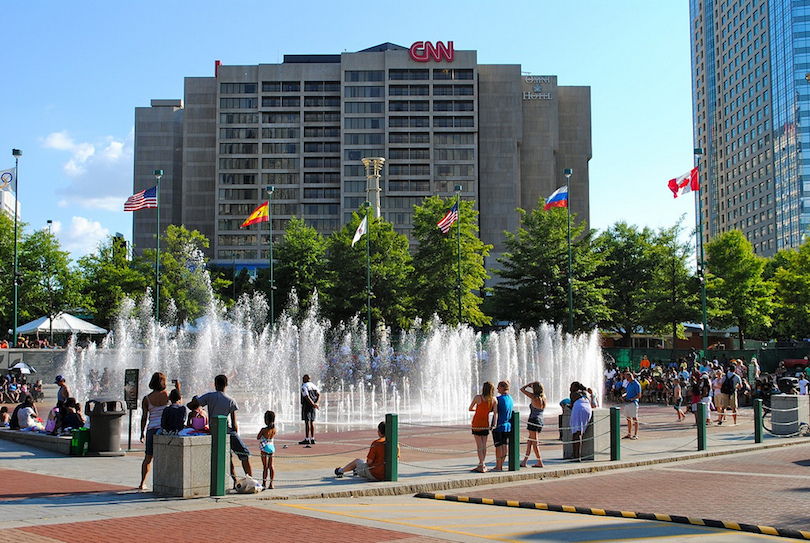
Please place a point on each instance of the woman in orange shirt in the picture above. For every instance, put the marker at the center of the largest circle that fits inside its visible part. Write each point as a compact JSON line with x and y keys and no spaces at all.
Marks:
{"x":483,"y":404}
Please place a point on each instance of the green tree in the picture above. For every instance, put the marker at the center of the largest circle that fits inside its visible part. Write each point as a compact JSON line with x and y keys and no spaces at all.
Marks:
{"x":436,"y":261}
{"x":6,"y":272}
{"x":629,"y":264}
{"x":535,"y":273}
{"x":108,"y":277}
{"x":300,"y":262}
{"x":183,"y":274}
{"x":50,"y":284}
{"x":391,"y":266}
{"x":734,"y":279}
{"x":791,"y":281}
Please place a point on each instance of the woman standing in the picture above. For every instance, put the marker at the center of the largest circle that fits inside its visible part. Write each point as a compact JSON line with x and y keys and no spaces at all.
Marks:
{"x":483,"y":404}
{"x":534,"y":425}
{"x":152,"y":410}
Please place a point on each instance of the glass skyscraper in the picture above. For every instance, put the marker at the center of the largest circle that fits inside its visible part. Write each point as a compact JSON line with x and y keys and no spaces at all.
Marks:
{"x":750,"y":65}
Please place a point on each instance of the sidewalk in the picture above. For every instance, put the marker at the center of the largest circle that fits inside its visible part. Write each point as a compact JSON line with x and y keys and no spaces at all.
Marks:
{"x":662,"y":468}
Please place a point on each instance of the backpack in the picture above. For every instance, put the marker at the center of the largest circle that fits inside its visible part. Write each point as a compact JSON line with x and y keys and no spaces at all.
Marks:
{"x":728,"y":386}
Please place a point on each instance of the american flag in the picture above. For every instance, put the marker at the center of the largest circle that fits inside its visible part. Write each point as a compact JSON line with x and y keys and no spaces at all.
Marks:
{"x":143,"y":200}
{"x":448,"y":220}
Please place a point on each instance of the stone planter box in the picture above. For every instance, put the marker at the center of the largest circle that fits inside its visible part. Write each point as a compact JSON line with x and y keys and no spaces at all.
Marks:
{"x":182,"y":466}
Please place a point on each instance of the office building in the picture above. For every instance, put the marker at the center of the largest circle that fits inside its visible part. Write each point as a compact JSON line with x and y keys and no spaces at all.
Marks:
{"x":750,"y":92}
{"x":438,"y":117}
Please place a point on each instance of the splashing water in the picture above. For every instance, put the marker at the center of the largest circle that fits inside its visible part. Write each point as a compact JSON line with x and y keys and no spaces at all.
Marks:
{"x":427,"y":375}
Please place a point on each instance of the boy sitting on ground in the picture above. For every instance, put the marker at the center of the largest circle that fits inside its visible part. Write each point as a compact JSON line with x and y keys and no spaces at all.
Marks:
{"x":373,"y":468}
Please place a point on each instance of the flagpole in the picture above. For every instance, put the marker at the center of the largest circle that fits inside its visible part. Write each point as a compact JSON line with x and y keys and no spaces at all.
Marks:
{"x":701,"y":265}
{"x":17,"y":154}
{"x":158,"y":174}
{"x":270,"y":190}
{"x":567,"y":172}
{"x":368,"y":275}
{"x":458,"y":236}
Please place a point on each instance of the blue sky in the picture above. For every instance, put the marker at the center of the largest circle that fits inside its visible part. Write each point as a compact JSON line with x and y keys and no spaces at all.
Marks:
{"x":74,"y":72}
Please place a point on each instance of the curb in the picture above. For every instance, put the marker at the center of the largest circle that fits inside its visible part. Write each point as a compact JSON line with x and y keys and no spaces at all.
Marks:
{"x":751,"y":528}
{"x":365,"y":489}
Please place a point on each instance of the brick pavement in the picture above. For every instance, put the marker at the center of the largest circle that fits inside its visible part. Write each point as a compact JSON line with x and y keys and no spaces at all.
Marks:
{"x":228,"y":523}
{"x":16,"y":485}
{"x":769,"y":487}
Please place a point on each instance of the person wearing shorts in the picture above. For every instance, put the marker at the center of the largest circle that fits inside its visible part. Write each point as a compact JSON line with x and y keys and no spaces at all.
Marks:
{"x":502,"y":427}
{"x":309,"y":403}
{"x":631,"y":397}
{"x":219,"y":403}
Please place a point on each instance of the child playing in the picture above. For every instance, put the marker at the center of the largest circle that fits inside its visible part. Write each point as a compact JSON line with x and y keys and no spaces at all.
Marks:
{"x":265,"y":437}
{"x":173,"y":418}
{"x":4,"y":416}
{"x":197,"y":419}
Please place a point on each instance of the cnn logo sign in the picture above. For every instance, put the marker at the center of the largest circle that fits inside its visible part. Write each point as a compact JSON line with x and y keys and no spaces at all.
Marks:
{"x":424,"y":51}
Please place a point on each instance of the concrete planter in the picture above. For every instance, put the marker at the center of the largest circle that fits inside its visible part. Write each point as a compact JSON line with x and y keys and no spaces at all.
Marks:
{"x":182,"y":466}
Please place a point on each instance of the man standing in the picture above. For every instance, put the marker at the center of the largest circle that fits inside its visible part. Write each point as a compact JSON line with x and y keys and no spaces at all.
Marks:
{"x":309,"y":403}
{"x":219,"y":403}
{"x":632,"y":394}
{"x":502,"y":425}
{"x":728,"y":393}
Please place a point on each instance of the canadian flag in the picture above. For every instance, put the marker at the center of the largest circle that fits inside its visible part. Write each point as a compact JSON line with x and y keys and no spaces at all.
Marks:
{"x":684,"y":184}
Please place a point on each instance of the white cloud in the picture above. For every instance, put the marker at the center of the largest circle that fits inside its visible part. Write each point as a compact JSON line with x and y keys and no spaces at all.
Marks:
{"x":82,"y":236}
{"x":100,"y":173}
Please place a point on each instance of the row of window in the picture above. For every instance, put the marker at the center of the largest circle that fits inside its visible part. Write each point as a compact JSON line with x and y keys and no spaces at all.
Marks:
{"x":279,"y":86}
{"x":409,"y":74}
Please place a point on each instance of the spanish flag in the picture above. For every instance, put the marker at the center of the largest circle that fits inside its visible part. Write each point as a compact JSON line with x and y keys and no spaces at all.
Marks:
{"x":260,"y":214}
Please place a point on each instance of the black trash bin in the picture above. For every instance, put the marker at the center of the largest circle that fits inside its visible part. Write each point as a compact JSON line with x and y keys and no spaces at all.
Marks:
{"x":106,"y":417}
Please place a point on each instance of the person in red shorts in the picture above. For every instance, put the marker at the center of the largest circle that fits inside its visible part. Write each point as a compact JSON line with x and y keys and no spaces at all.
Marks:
{"x":373,"y":467}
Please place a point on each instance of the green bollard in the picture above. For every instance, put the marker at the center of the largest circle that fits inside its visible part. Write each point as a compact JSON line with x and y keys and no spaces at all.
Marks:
{"x":391,"y":446}
{"x":758,"y":420}
{"x":514,"y":443}
{"x":615,"y":434}
{"x":219,"y":454}
{"x":701,"y":426}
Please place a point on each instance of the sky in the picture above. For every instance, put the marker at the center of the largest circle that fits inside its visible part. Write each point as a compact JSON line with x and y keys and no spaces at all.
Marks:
{"x":76,"y":71}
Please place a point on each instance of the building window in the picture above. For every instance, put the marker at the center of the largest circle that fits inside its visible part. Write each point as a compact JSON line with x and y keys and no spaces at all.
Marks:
{"x":364,"y":75}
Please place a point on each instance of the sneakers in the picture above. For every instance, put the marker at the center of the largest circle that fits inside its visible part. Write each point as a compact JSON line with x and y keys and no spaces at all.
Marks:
{"x":339,"y":473}
{"x":304,"y":442}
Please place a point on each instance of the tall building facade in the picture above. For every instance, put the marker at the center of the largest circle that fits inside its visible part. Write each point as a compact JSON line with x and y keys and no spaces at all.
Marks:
{"x":750,"y":64}
{"x":439,"y":119}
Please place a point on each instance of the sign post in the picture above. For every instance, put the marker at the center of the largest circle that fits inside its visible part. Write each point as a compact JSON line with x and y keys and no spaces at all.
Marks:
{"x":131,"y":398}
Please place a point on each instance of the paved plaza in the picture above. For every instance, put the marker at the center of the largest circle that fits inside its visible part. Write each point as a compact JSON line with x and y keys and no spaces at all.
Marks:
{"x":49,"y":497}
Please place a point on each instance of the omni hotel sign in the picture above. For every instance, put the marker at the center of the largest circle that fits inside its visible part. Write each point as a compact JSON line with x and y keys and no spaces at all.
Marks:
{"x":538,"y":91}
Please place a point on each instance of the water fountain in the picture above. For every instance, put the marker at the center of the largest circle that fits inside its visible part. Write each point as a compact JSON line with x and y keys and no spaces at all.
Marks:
{"x":427,"y":375}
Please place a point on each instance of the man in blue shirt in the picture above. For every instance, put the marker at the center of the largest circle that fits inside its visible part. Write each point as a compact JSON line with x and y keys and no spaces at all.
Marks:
{"x":631,"y":396}
{"x":502,"y":425}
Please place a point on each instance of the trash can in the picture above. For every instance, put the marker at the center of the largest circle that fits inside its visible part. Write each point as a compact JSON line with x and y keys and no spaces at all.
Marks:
{"x":79,"y":442}
{"x":106,"y":417}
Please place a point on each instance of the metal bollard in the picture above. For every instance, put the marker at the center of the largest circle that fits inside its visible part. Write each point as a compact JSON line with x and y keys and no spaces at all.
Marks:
{"x":758,"y":417}
{"x":391,"y":446}
{"x":701,"y":426}
{"x":219,"y":454}
{"x":514,"y":443}
{"x":615,"y":433}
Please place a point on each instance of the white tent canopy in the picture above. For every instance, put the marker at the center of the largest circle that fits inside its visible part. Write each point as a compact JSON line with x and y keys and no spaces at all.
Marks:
{"x":63,"y":323}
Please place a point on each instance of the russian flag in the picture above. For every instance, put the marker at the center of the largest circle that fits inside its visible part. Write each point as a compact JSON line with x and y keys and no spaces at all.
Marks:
{"x":558,"y":199}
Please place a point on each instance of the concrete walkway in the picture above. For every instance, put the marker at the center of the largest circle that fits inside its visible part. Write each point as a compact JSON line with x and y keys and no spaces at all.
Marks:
{"x":56,"y":497}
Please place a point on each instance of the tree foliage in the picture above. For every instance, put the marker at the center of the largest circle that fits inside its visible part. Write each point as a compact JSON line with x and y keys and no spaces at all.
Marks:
{"x":436,"y":264}
{"x":534,"y":270}
{"x":791,"y":280}
{"x":391,"y":266}
{"x":735,"y":279}
{"x":301,"y":264}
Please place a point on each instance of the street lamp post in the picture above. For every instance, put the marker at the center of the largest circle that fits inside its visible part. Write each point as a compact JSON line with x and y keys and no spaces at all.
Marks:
{"x":158,"y":174}
{"x":270,"y":190}
{"x":17,"y":154}
{"x":367,"y":205}
{"x":701,"y":263}
{"x":458,"y":189}
{"x":50,"y":290}
{"x":373,"y":169}
{"x":568,"y":172}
